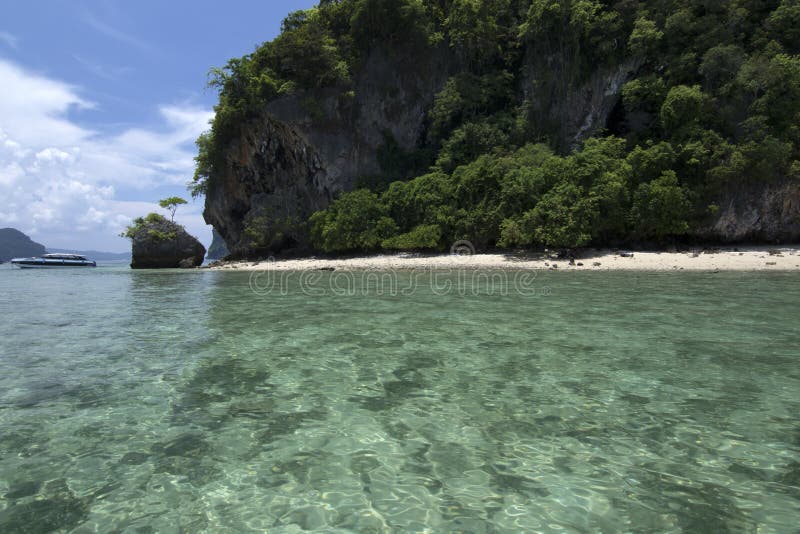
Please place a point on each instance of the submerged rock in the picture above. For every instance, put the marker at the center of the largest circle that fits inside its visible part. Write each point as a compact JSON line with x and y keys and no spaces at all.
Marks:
{"x":188,"y":263}
{"x":23,"y":489}
{"x":56,"y":509}
{"x":134,"y":458}
{"x":160,"y":243}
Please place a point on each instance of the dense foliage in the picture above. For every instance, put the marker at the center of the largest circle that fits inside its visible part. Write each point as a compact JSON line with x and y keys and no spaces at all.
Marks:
{"x":714,"y":104}
{"x":153,"y":226}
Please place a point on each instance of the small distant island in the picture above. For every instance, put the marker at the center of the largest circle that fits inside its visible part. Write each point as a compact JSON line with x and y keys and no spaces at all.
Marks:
{"x":15,"y":244}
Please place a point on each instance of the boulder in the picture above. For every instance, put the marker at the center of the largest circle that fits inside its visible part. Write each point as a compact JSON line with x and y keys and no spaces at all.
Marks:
{"x":159,"y":243}
{"x":188,"y":263}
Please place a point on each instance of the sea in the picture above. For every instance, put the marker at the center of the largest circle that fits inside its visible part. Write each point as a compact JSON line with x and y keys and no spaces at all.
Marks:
{"x":410,"y":401}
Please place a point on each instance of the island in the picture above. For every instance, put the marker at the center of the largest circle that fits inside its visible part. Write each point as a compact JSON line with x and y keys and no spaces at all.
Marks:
{"x":386,"y":127}
{"x":15,"y":244}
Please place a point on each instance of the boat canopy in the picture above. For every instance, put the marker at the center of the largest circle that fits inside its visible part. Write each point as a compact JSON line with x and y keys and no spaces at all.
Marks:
{"x":64,"y":257}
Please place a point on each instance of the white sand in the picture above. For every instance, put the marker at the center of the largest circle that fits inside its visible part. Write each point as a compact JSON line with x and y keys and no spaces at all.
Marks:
{"x":728,"y":259}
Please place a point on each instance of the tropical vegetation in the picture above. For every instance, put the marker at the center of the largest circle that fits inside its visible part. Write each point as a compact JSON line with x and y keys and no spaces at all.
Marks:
{"x":713,"y":105}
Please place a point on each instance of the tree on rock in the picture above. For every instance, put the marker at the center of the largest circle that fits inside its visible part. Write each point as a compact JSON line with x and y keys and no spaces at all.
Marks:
{"x":171,"y":205}
{"x":157,"y":242}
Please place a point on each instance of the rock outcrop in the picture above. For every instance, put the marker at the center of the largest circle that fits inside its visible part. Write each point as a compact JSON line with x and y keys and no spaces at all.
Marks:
{"x":767,"y":213}
{"x":572,"y":108}
{"x":15,"y":244}
{"x":295,"y":158}
{"x":158,"y":243}
{"x":274,"y":179}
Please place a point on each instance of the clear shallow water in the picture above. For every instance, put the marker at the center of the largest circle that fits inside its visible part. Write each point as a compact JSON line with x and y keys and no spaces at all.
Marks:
{"x":166,"y":401}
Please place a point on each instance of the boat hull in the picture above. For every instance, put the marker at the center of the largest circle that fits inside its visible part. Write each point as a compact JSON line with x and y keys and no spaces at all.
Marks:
{"x":52,"y":265}
{"x":53,"y":261}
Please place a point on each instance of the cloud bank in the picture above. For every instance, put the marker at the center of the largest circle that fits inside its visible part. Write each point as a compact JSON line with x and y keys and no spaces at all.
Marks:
{"x":72,"y":187}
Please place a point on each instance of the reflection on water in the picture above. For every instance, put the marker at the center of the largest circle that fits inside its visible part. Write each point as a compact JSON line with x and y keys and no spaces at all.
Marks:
{"x":156,"y":401}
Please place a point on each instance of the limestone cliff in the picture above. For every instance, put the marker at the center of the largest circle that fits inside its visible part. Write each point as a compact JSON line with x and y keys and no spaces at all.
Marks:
{"x":273,"y":180}
{"x":303,"y":149}
{"x":768,"y":213}
{"x":307,"y":147}
{"x":571,"y":106}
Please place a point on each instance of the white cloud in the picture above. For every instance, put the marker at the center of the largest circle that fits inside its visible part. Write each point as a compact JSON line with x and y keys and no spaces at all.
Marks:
{"x":59,"y":181}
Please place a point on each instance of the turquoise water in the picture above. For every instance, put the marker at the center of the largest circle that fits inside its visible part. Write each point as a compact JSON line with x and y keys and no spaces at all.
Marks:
{"x":203,"y":401}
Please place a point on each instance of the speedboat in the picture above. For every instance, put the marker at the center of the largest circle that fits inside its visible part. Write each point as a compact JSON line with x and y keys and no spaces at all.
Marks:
{"x":49,"y":261}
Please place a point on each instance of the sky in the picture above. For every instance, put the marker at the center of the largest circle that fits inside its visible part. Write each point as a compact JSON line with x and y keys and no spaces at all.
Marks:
{"x":100,"y":104}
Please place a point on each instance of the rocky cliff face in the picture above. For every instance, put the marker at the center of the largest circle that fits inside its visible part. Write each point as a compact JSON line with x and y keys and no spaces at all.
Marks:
{"x":572,"y":108}
{"x":218,"y":249}
{"x":273,"y":180}
{"x":308,"y":147}
{"x":768,"y":213}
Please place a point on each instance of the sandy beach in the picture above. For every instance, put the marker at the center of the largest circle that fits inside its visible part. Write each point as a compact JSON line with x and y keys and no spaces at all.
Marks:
{"x":778,"y":258}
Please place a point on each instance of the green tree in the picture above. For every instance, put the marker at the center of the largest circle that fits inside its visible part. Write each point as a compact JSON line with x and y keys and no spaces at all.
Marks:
{"x":356,"y":221}
{"x":466,"y":96}
{"x":645,"y":38}
{"x":660,"y":208}
{"x":683,"y":110}
{"x":650,"y":161}
{"x":469,"y":141}
{"x":387,"y":23}
{"x":564,"y":217}
{"x":720,"y":66}
{"x":779,"y":95}
{"x":644,"y":94}
{"x":171,"y":205}
{"x":304,"y":53}
{"x":476,"y":30}
{"x":416,"y":202}
{"x":784,"y":24}
{"x":424,"y":236}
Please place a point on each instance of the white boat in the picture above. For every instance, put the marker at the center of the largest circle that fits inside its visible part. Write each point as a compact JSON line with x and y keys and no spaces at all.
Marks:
{"x":50,"y":261}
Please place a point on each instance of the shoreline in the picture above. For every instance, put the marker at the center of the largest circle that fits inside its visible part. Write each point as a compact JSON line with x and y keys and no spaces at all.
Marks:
{"x":762,"y":258}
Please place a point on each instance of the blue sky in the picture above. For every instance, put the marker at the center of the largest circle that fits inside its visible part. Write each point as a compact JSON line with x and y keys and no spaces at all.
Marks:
{"x":100,"y":106}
